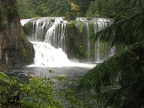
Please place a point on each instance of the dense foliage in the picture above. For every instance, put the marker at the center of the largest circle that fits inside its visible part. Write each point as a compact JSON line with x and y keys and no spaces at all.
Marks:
{"x":35,"y":92}
{"x":8,"y":11}
{"x":34,"y":8}
{"x":118,"y":82}
{"x":117,"y":9}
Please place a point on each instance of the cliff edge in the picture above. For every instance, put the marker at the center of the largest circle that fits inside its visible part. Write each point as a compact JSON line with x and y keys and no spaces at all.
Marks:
{"x":15,"y":49}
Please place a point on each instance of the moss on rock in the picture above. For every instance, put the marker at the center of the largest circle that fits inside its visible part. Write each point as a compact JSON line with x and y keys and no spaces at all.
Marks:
{"x":76,"y":47}
{"x":15,"y":49}
{"x":28,"y":28}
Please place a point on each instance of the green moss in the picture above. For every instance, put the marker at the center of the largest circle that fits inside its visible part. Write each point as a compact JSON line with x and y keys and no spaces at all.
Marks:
{"x":71,"y":24}
{"x":28,"y":28}
{"x":2,"y":17}
{"x":91,"y":29}
{"x":78,"y":38}
{"x":81,"y":27}
{"x":76,"y":41}
{"x":8,"y":11}
{"x":26,"y":49}
{"x":82,"y":51}
{"x":23,"y":51}
{"x":89,"y":18}
{"x":104,"y":47}
{"x":52,"y":20}
{"x":11,"y":9}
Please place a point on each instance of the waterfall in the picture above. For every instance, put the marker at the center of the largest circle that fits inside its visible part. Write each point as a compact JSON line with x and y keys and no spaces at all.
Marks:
{"x":50,"y":30}
{"x":88,"y":43}
{"x":55,"y":35}
{"x":99,"y":24}
{"x":47,"y":55}
{"x":49,"y":39}
{"x":24,"y":21}
{"x":97,"y":52}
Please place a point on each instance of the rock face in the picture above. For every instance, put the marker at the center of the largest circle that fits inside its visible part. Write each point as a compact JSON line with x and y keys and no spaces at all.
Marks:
{"x":15,"y":49}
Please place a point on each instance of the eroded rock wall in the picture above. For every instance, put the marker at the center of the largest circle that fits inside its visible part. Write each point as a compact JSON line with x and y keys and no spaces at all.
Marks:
{"x":15,"y":49}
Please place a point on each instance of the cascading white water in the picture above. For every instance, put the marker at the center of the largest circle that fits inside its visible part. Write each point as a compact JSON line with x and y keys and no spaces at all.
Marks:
{"x":88,"y":44}
{"x":49,"y":37}
{"x":97,"y":52}
{"x":24,"y":21}
{"x":55,"y":35}
{"x":99,"y":24}
{"x":47,"y":55}
{"x":49,"y":32}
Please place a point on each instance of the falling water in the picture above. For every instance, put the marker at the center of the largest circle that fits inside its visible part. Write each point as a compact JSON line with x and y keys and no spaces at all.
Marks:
{"x":88,"y":44}
{"x":38,"y":29}
{"x":56,"y":34}
{"x":49,"y":39}
{"x":47,"y":55}
{"x":99,"y":24}
{"x":50,"y":30}
{"x":97,"y":52}
{"x":24,"y":21}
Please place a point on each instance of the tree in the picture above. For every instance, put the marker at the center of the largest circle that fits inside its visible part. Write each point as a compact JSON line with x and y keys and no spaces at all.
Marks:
{"x":25,"y":8}
{"x":117,"y":9}
{"x":83,"y":5}
{"x":118,"y":82}
{"x":33,"y":8}
{"x":42,"y":8}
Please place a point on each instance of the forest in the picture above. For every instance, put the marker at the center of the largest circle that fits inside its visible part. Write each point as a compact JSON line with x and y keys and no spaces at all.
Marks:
{"x":117,"y":9}
{"x":38,"y":8}
{"x":115,"y":83}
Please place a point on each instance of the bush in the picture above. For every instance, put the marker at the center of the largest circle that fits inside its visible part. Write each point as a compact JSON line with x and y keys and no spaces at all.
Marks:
{"x":35,"y":92}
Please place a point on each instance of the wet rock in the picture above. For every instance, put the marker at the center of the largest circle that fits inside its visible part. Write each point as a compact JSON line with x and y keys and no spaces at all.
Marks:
{"x":15,"y":49}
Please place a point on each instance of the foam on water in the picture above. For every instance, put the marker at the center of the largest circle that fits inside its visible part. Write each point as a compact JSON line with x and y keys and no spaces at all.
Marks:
{"x":48,"y":56}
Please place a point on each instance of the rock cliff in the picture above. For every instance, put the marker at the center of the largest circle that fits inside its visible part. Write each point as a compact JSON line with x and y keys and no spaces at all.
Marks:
{"x":15,"y":49}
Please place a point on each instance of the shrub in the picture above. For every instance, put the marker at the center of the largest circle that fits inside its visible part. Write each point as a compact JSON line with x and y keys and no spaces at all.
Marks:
{"x":35,"y":92}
